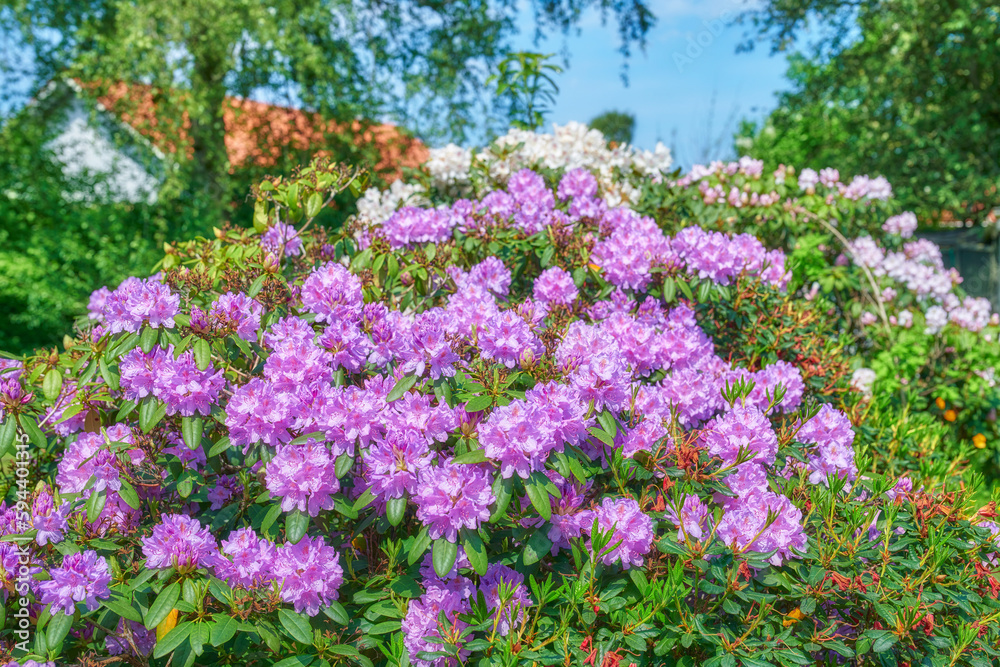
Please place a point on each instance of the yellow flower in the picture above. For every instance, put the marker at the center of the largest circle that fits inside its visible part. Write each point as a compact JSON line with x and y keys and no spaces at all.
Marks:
{"x":950,"y":415}
{"x":793,"y":617}
{"x":979,"y":440}
{"x":939,"y":402}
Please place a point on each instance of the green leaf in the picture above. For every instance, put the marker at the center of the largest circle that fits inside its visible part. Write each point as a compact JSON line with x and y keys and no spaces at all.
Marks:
{"x":395,"y":510}
{"x":269,"y":518}
{"x":298,"y":627}
{"x":7,"y":433}
{"x":538,"y":494}
{"x":296,"y":524}
{"x":420,"y":544}
{"x":475,"y":456}
{"x":406,"y":587}
{"x":95,"y":505}
{"x":30,"y":427}
{"x":191,"y":430}
{"x":883,"y":642}
{"x":685,"y":290}
{"x":296,"y":661}
{"x":57,"y":628}
{"x":223,"y":630}
{"x":404,"y":384}
{"x":475,"y":550}
{"x":128,"y":494}
{"x":147,"y":338}
{"x":343,"y":465}
{"x":162,"y":605}
{"x":256,"y":285}
{"x":202,"y":353}
{"x":704,"y":290}
{"x":444,"y":556}
{"x":341,"y":505}
{"x":109,"y":376}
{"x":602,"y":435}
{"x":151,"y":411}
{"x":503,"y":491}
{"x":478,"y":403}
{"x":219,"y":447}
{"x":537,"y":547}
{"x":364,"y":500}
{"x":123,"y":607}
{"x":314,"y":205}
{"x":669,"y":289}
{"x":173,"y":639}
{"x":52,"y":384}
{"x":336,"y":613}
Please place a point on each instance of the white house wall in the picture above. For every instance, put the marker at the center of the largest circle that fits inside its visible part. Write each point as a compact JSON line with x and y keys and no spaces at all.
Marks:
{"x":90,"y":152}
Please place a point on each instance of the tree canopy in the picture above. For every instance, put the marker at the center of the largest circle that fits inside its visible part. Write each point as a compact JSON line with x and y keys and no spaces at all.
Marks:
{"x":905,"y":89}
{"x":421,"y":63}
{"x":617,"y":126}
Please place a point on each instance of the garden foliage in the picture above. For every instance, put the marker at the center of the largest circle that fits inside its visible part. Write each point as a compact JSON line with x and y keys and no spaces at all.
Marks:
{"x":500,"y":418}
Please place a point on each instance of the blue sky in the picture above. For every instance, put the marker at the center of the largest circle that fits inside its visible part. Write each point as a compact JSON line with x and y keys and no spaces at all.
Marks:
{"x":690,"y":60}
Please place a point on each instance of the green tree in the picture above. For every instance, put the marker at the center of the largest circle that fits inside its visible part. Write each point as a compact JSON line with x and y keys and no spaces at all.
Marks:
{"x":617,"y":126}
{"x":421,"y":62}
{"x":906,"y":89}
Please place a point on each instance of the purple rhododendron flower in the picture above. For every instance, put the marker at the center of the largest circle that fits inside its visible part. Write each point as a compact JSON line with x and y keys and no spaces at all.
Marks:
{"x":632,"y":536}
{"x":303,"y":477}
{"x":555,"y":285}
{"x":282,"y":238}
{"x":452,"y":496}
{"x":237,"y":313}
{"x":507,"y":610}
{"x":137,"y":302}
{"x":83,"y":577}
{"x":181,"y":542}
{"x":250,"y":559}
{"x":744,"y":526}
{"x":332,"y":293}
{"x":144,"y":639}
{"x":743,"y":427}
{"x":422,"y":621}
{"x":310,"y":573}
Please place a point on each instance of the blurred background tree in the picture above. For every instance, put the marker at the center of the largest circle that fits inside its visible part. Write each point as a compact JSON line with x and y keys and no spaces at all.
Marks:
{"x":902,"y":88}
{"x":182,"y":73}
{"x":617,"y":126}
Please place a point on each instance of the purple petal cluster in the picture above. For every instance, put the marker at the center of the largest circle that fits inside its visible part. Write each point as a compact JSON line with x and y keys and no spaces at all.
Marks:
{"x":332,"y":293}
{"x":181,"y":542}
{"x":83,"y":577}
{"x":246,"y":560}
{"x":508,"y":609}
{"x":176,"y":381}
{"x":744,"y":526}
{"x":422,"y":621}
{"x":282,"y":238}
{"x":742,"y":428}
{"x":450,"y":496}
{"x":830,"y":430}
{"x":632,"y":529}
{"x":555,"y":286}
{"x":235,"y":312}
{"x":721,"y":258}
{"x":413,"y":226}
{"x":137,"y":302}
{"x":310,"y":574}
{"x":507,"y":339}
{"x":303,"y":477}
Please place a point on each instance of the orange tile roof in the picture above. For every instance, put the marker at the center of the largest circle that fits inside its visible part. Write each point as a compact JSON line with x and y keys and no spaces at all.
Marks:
{"x":244,"y":121}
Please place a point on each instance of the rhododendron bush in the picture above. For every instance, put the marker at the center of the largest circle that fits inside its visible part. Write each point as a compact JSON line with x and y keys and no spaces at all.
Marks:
{"x":499,"y":419}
